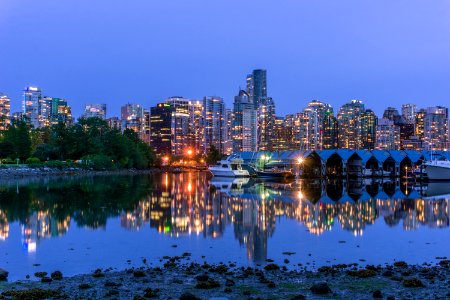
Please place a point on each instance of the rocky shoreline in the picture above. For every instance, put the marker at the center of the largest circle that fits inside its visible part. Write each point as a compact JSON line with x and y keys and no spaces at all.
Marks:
{"x":182,"y":279}
{"x":26,"y":172}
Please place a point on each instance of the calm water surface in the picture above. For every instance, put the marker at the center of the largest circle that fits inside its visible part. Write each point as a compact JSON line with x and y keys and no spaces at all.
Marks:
{"x":80,"y":224}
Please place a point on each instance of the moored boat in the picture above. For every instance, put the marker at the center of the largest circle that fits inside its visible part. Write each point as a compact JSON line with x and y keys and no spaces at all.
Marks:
{"x":230,"y":167}
{"x":437,"y":169}
{"x":274,"y":173}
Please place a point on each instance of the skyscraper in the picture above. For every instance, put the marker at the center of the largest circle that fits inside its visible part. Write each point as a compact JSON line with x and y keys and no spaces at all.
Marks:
{"x":160,"y":124}
{"x":280,"y":139}
{"x":197,"y":126}
{"x":244,"y":125}
{"x":216,"y":133}
{"x":132,"y":117}
{"x":312,"y":124}
{"x":436,"y":128}
{"x":31,"y":105}
{"x":257,"y":86}
{"x":94,"y":111}
{"x":266,"y":122}
{"x":53,"y":111}
{"x":349,"y":122}
{"x":409,"y":113}
{"x":330,"y":131}
{"x":290,"y":127}
{"x":420,"y":123}
{"x":145,"y":135}
{"x":180,"y":126}
{"x":368,"y":129}
{"x":388,"y":135}
{"x":391,"y":113}
{"x":5,"y":111}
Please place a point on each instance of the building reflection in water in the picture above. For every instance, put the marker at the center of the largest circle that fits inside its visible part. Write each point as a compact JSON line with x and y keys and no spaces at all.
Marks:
{"x":189,"y":203}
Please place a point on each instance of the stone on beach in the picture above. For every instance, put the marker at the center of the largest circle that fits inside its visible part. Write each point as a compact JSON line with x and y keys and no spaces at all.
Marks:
{"x":3,"y":275}
{"x":321,"y":288}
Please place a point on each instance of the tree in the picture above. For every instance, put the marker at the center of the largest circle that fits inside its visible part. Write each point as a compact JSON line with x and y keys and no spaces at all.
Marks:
{"x":213,"y":155}
{"x":18,"y":134}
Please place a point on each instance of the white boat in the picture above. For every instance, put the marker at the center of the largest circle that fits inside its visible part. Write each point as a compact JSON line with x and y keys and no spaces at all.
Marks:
{"x":438,"y":169}
{"x":230,"y":167}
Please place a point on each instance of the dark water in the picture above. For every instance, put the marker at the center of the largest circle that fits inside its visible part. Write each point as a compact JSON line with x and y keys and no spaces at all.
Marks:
{"x":80,"y":224}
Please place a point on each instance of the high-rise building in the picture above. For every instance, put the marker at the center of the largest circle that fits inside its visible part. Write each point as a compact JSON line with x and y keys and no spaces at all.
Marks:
{"x":406,"y":133}
{"x":391,"y":113}
{"x":132,"y":117}
{"x":420,"y":123}
{"x":266,"y":121}
{"x":244,"y":125}
{"x":312,"y":124}
{"x":409,"y":113}
{"x":180,"y":126}
{"x":161,"y":128}
{"x":436,"y":128}
{"x":349,"y":125}
{"x":18,"y":117}
{"x":290,"y":127}
{"x":257,"y":86}
{"x":330,"y":131}
{"x":280,"y":139}
{"x":115,"y":123}
{"x":61,"y":112}
{"x":368,"y":129}
{"x":145,"y":135}
{"x":5,"y":111}
{"x":388,"y":135}
{"x":229,"y":125}
{"x":30,"y":105}
{"x":53,"y":111}
{"x":216,"y":133}
{"x":197,"y":126}
{"x":94,"y":111}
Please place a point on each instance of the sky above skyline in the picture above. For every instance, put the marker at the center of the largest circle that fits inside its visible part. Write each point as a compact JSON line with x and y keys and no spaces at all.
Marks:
{"x":384,"y":52}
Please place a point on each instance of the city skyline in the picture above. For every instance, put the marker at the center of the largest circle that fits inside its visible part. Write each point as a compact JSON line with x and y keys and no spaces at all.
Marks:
{"x":394,"y":55}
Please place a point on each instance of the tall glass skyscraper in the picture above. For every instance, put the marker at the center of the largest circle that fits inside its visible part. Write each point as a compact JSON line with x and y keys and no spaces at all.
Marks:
{"x":257,"y":86}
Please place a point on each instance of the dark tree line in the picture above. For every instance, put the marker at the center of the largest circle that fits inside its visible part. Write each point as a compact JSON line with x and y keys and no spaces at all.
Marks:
{"x":90,"y":140}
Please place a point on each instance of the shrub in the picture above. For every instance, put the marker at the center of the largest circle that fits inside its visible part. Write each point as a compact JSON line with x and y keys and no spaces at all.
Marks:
{"x":32,"y":161}
{"x":55,"y":164}
{"x":99,"y":162}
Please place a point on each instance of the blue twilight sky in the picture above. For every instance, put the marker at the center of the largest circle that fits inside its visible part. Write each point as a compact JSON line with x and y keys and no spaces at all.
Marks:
{"x":384,"y":52}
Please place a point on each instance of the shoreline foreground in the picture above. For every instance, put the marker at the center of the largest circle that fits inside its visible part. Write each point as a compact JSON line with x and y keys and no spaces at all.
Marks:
{"x":182,"y":279}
